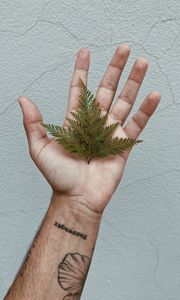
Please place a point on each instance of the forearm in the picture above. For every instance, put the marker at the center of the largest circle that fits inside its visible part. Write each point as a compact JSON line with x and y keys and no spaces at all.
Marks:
{"x":58,"y":261}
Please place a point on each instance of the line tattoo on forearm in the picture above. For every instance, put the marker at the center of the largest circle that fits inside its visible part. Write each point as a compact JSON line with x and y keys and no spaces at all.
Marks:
{"x":74,"y":232}
{"x":72,"y":273}
{"x":27,"y":257}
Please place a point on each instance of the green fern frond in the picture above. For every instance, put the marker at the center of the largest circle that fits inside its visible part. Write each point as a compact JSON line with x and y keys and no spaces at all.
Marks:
{"x":54,"y":130}
{"x":117,"y":146}
{"x":86,"y":135}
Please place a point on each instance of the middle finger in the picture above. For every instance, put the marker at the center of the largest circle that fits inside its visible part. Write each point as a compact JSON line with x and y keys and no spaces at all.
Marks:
{"x":108,"y":85}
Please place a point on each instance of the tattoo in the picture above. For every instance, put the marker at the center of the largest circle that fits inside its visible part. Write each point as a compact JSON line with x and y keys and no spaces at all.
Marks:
{"x":72,"y":273}
{"x":74,"y":232}
{"x":26,"y":259}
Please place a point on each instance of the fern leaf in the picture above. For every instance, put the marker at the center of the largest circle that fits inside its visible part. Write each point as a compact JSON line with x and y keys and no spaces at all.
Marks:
{"x":54,"y":130}
{"x":86,"y":135}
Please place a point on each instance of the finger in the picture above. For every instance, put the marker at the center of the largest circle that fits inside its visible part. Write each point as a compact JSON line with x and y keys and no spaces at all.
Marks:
{"x":138,"y":122}
{"x":36,"y":133}
{"x":124,"y":103}
{"x":108,"y":85}
{"x":80,"y":72}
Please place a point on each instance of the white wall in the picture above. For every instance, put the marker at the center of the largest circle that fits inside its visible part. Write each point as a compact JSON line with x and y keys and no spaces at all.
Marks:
{"x":137,"y":255}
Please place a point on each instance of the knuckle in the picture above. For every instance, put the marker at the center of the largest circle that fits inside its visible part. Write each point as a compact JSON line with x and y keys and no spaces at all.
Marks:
{"x":108,"y":84}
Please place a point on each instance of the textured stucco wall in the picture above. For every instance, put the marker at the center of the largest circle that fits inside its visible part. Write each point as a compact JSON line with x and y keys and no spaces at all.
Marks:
{"x":137,"y":255}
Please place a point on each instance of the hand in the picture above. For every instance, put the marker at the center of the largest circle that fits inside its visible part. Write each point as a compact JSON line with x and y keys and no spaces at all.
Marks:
{"x":69,"y":175}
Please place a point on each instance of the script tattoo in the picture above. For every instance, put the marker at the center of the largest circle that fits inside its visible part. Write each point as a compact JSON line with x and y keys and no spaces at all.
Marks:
{"x":74,"y":232}
{"x":72,"y":273}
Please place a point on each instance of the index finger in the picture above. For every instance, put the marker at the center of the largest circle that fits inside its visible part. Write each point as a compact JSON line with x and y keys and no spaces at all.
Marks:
{"x":80,"y":72}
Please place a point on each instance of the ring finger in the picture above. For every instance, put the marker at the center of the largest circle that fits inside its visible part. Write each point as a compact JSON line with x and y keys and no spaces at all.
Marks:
{"x":124,"y":103}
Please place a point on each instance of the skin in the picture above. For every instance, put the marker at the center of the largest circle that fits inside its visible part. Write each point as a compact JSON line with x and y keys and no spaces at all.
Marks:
{"x":80,"y":191}
{"x":65,"y":173}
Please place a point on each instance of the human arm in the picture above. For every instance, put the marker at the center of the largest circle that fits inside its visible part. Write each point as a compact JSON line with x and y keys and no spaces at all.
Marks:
{"x":59,"y":257}
{"x":80,"y":191}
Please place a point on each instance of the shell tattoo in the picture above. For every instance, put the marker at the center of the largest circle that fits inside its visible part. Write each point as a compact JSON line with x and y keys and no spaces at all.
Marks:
{"x":72,"y":272}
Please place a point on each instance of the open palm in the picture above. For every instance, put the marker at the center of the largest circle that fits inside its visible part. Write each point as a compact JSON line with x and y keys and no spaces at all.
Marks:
{"x":70,"y":175}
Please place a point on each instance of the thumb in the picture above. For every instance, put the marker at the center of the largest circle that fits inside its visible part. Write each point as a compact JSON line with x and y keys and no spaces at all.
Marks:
{"x":36,"y":133}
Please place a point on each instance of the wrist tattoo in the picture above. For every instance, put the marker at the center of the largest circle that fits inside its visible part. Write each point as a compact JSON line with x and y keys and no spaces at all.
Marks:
{"x":74,"y":232}
{"x":72,"y":273}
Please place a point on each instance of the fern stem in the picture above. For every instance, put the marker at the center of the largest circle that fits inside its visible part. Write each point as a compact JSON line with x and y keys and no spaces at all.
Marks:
{"x":89,"y":157}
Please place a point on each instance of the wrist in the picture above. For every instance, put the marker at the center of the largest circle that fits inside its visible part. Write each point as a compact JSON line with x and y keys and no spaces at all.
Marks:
{"x":73,"y":207}
{"x":72,"y":218}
